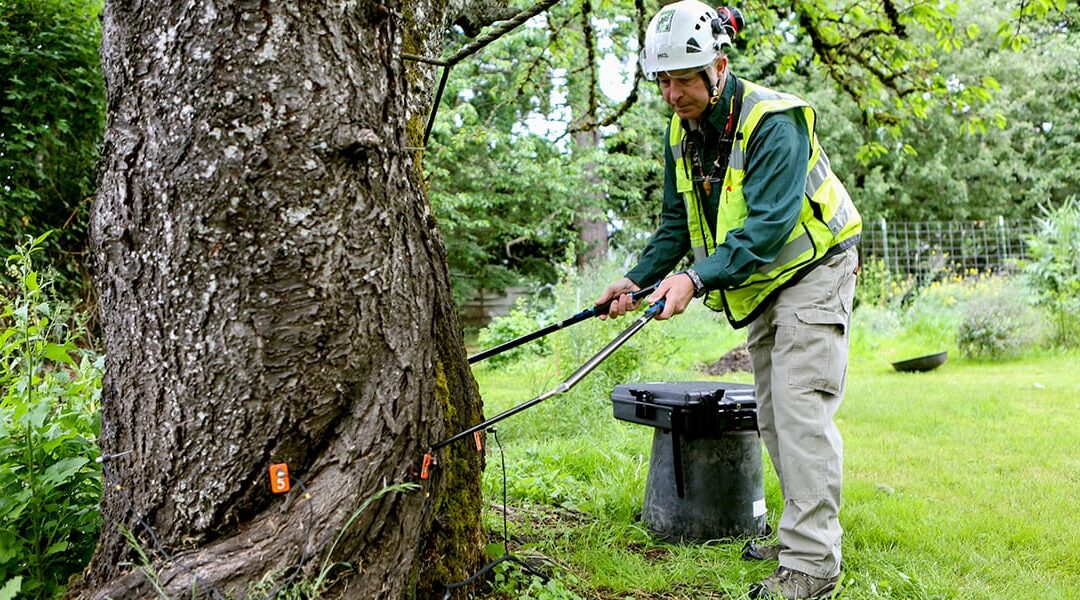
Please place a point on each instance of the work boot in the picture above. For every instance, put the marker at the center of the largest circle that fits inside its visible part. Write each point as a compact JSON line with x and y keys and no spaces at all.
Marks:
{"x":755,"y":551}
{"x":790,"y":584}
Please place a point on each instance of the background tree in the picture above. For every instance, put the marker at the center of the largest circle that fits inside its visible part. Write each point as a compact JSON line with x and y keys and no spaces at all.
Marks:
{"x":975,"y":157}
{"x":273,"y":289}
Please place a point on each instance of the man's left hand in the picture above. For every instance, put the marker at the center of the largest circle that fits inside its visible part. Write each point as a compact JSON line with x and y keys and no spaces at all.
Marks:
{"x":676,"y":291}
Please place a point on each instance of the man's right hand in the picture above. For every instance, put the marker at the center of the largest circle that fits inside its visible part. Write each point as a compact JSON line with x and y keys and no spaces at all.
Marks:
{"x":622,"y":303}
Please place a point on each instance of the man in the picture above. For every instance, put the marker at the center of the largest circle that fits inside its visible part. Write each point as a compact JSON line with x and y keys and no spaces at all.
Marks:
{"x":748,"y":189}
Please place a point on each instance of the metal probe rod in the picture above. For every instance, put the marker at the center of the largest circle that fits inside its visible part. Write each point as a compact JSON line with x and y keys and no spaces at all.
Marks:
{"x":565,"y":386}
{"x":592,"y":311}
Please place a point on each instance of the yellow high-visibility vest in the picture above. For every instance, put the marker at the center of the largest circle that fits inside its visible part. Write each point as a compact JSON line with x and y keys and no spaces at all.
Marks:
{"x":828,"y":217}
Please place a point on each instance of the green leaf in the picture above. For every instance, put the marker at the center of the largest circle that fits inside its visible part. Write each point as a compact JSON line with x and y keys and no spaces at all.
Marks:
{"x":57,"y":547}
{"x":58,"y":353}
{"x":41,"y":238}
{"x":63,"y":469}
{"x":34,"y":415}
{"x":15,"y":506}
{"x":494,"y":550}
{"x":11,"y":588}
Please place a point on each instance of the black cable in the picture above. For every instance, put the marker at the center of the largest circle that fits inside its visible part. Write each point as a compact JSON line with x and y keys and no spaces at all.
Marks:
{"x":507,"y":556}
{"x":297,"y":568}
{"x":502,"y":460}
{"x":103,"y":460}
{"x":450,"y":587}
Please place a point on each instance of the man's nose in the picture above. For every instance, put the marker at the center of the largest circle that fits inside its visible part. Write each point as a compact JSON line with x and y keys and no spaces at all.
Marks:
{"x":676,"y":89}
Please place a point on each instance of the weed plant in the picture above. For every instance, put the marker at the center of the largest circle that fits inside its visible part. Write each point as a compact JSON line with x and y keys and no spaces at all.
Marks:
{"x":48,"y":426}
{"x":1054,"y":272}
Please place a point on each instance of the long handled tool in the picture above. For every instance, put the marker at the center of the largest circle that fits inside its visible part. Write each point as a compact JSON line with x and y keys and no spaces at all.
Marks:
{"x":588,"y":313}
{"x":565,"y":386}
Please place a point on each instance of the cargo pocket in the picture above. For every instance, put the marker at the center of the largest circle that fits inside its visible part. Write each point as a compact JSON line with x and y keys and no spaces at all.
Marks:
{"x":820,"y":349}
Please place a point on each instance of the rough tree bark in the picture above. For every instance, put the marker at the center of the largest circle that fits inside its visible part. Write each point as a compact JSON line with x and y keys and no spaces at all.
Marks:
{"x":273,"y":289}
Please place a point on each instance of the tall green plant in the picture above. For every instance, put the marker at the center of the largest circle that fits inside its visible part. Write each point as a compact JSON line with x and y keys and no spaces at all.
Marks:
{"x":48,"y":426}
{"x":1054,"y":272}
{"x":52,"y":114}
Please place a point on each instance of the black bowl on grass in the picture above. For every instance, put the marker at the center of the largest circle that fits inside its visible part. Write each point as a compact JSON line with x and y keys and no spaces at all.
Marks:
{"x":921,"y":363}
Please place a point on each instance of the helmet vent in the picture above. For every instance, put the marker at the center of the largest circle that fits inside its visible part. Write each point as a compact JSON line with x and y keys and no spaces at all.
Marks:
{"x":692,"y":46}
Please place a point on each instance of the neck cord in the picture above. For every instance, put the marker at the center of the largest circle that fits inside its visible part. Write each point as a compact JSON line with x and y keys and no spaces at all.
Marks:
{"x":723,"y":148}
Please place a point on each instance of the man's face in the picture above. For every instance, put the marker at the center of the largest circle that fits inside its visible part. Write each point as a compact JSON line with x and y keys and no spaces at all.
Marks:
{"x":685,"y":90}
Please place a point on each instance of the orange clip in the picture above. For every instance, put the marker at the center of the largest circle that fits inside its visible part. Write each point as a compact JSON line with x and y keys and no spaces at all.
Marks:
{"x":479,"y":441}
{"x":279,"y":478}
{"x":425,"y":468}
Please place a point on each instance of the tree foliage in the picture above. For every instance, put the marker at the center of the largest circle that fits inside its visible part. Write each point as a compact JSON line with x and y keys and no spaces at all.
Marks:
{"x":508,"y":179}
{"x":1004,"y":155}
{"x":52,"y":109}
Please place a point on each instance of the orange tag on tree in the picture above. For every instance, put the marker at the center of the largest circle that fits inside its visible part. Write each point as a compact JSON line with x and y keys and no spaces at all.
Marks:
{"x":479,"y":441}
{"x":279,"y":478}
{"x":425,"y":468}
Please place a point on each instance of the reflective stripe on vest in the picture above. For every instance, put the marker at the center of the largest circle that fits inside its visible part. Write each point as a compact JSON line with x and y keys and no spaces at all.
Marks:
{"x":827,"y":218}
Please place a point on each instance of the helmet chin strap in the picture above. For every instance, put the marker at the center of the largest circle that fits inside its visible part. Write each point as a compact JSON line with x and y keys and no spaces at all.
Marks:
{"x":714,"y":87}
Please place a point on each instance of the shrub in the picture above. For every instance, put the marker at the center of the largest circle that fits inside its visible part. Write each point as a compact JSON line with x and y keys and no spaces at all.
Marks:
{"x":52,"y":111}
{"x":997,"y":324}
{"x":48,"y":426}
{"x":1054,"y":271}
{"x":522,"y":319}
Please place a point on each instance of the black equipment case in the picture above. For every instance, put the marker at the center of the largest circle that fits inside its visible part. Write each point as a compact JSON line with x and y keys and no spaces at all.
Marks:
{"x":698,"y":408}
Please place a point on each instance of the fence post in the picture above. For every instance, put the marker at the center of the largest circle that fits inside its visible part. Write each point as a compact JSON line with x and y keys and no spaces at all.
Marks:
{"x":1003,"y":241}
{"x":884,"y":240}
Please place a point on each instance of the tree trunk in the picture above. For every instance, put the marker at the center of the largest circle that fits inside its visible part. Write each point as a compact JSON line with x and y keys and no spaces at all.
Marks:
{"x":273,"y":290}
{"x":591,"y":222}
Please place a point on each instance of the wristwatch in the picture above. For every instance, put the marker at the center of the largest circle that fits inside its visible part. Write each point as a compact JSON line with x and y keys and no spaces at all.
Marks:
{"x":699,"y":286}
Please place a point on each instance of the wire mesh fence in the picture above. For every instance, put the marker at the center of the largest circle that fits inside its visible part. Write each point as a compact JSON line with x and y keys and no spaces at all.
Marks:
{"x":918,"y":247}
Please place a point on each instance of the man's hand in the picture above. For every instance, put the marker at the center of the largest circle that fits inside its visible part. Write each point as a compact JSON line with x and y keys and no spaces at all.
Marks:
{"x":623,"y":303}
{"x":676,"y":291}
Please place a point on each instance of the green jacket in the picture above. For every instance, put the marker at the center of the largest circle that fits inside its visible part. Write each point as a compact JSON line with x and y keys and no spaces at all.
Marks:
{"x":775,"y":168}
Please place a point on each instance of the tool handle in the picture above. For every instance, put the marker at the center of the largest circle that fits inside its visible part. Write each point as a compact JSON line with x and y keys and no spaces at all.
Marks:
{"x":565,"y":386}
{"x":588,"y":313}
{"x":602,"y":309}
{"x":612,"y":346}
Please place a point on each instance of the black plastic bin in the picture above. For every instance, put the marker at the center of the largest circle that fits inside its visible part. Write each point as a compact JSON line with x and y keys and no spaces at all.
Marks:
{"x":705,"y":473}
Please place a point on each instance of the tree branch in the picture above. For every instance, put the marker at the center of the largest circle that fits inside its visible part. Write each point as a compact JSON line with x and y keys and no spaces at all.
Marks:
{"x":632,"y":97}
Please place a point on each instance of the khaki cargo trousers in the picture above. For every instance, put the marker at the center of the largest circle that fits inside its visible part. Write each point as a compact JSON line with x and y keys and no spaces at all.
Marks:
{"x":799,"y":347}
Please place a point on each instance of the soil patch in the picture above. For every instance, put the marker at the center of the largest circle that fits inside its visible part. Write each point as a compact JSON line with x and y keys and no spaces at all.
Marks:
{"x":738,"y":360}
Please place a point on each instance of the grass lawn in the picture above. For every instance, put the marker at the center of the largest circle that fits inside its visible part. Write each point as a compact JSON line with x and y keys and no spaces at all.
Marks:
{"x":959,"y":482}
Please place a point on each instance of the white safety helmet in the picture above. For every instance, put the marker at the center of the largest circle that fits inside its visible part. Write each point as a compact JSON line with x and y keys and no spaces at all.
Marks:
{"x":683,"y":35}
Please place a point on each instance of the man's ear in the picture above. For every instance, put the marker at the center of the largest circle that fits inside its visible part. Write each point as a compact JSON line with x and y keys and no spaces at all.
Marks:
{"x":721,"y":65}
